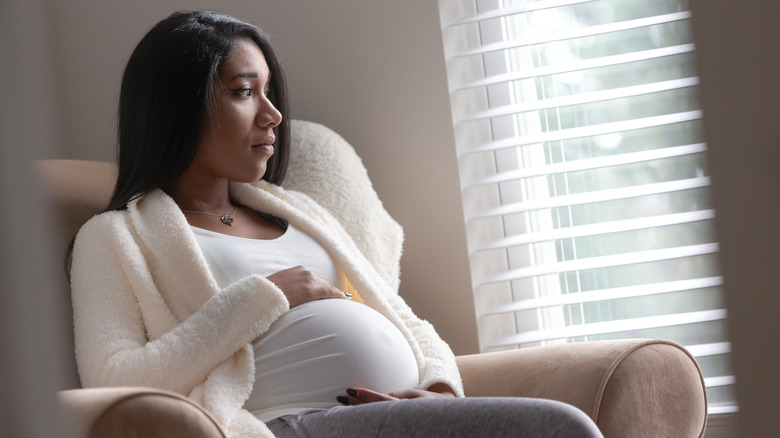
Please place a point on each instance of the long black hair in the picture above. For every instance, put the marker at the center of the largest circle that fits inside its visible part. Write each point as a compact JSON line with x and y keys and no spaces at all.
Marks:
{"x":167,"y":92}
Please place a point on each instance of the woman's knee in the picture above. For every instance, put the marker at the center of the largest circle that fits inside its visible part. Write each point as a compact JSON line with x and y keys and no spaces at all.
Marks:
{"x":566,"y":420}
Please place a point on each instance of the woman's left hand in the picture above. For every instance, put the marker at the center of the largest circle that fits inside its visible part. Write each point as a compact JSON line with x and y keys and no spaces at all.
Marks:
{"x":359,"y":396}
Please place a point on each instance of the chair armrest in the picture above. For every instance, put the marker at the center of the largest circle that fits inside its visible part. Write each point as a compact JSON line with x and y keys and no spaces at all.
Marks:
{"x":628,"y":387}
{"x":135,"y":412}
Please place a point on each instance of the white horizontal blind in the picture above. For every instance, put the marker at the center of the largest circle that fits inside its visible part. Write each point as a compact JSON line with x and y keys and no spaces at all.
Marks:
{"x":583,"y":174}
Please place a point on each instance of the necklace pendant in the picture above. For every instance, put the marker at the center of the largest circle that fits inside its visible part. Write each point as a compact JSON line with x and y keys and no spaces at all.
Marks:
{"x":227,"y":219}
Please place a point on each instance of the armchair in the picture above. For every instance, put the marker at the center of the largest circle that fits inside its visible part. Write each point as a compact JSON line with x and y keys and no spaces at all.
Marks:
{"x":630,"y":388}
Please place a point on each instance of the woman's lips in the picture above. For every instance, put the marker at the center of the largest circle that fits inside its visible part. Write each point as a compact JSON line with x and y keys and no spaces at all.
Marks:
{"x":268,"y":148}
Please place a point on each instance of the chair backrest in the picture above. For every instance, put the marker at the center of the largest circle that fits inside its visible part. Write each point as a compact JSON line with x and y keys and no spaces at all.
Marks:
{"x":77,"y":190}
{"x":322,"y":165}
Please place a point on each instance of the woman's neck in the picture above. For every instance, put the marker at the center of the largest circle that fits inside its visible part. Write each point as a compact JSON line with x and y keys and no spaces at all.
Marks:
{"x":200,"y":194}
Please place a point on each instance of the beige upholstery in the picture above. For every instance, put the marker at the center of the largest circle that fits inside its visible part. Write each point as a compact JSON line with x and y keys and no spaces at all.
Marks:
{"x":631,"y":388}
{"x":136,"y":412}
{"x":77,"y":190}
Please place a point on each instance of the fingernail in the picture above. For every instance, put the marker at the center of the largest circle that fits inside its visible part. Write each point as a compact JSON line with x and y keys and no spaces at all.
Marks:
{"x":349,"y":295}
{"x":352,"y":392}
{"x":343,"y":400}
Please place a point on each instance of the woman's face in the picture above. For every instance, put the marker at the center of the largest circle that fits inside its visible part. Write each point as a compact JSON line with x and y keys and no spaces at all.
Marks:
{"x":238,"y":137}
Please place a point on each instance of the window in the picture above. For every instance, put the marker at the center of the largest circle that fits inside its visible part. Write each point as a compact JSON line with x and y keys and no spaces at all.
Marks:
{"x":584,"y":176}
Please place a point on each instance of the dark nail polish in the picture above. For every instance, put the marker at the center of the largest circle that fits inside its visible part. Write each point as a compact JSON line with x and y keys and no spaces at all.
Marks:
{"x":343,"y":400}
{"x":352,"y":392}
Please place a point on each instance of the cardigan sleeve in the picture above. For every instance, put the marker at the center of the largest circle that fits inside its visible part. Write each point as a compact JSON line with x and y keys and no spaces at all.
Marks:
{"x":439,"y":364}
{"x":112,"y":344}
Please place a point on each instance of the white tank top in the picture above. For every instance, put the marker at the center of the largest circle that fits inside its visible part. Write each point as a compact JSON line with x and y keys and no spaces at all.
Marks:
{"x":312,"y":353}
{"x":232,"y":258}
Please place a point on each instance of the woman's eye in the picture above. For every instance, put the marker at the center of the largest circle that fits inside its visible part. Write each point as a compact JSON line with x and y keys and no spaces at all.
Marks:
{"x":267,"y":91}
{"x":243,"y":92}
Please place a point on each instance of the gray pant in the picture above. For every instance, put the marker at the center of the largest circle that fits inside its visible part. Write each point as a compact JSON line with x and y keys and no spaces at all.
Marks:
{"x":426,"y":418}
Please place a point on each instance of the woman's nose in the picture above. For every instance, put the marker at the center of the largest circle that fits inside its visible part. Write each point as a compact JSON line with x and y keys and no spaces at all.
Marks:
{"x":268,"y":115}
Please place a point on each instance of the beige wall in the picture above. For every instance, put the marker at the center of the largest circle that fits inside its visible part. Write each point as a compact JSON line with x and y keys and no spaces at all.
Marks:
{"x":738,"y":48}
{"x":371,"y":70}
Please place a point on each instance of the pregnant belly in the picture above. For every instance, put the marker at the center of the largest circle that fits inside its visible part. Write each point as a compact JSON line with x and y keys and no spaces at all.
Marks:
{"x":318,"y":349}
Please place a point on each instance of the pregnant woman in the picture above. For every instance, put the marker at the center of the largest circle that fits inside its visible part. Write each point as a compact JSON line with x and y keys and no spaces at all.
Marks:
{"x":204,"y":277}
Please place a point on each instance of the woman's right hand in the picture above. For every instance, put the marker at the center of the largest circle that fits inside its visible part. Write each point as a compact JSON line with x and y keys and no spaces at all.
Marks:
{"x":300,"y":285}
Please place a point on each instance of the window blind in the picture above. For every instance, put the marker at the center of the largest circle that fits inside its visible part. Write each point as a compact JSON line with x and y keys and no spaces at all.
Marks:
{"x":583,"y":176}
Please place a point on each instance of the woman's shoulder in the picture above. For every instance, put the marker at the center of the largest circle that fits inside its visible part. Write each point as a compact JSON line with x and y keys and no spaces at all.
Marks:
{"x":107,"y":222}
{"x":101,"y":232}
{"x":117,"y":219}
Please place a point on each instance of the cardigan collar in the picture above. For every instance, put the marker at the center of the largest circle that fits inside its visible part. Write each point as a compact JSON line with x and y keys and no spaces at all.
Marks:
{"x":173,"y":256}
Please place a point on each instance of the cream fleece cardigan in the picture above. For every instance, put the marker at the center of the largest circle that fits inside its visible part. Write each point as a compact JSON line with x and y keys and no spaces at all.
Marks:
{"x":147,"y":311}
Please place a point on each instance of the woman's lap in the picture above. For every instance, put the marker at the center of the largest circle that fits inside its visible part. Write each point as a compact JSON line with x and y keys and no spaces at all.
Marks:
{"x":463,"y":417}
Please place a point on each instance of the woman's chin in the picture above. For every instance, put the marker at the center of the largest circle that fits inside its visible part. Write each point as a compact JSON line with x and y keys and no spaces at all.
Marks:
{"x":249,"y":177}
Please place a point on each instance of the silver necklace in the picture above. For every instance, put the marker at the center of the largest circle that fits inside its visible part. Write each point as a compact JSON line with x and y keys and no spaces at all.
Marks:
{"x":226,"y":218}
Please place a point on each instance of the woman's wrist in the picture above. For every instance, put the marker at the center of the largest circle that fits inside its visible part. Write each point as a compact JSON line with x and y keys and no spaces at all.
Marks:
{"x":442,"y":388}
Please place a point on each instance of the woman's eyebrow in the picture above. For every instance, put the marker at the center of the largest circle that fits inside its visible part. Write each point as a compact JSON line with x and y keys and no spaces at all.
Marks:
{"x":243,"y":75}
